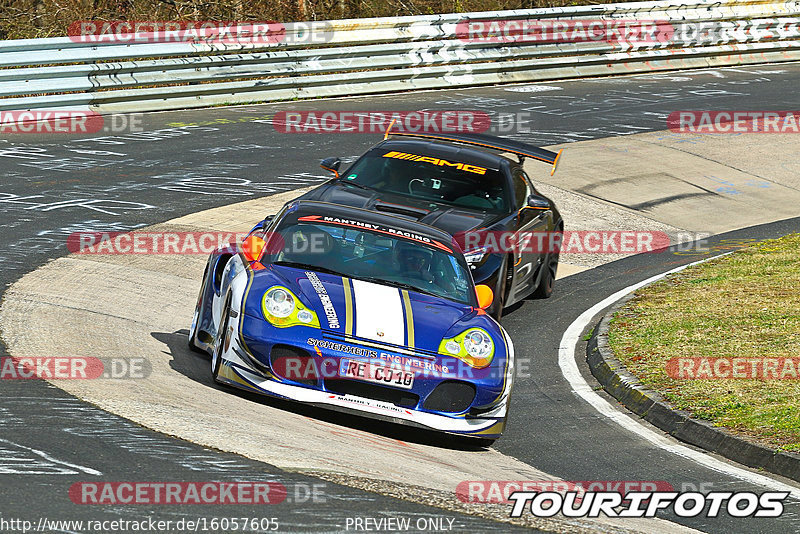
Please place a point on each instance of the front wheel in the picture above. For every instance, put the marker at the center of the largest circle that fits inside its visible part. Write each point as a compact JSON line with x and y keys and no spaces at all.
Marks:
{"x":196,"y":317}
{"x":222,"y":341}
{"x":192,"y":338}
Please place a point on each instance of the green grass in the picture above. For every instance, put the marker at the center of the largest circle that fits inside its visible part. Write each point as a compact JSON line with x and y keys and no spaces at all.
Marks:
{"x":743,"y":305}
{"x":589,"y":334}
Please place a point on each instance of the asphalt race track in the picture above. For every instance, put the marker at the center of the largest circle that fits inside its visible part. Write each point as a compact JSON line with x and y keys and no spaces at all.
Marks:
{"x":185,"y":162}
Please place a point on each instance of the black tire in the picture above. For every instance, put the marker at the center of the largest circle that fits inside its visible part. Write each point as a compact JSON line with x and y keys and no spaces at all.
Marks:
{"x":222,"y":338}
{"x":195,"y":327}
{"x":192,"y":337}
{"x":548,"y":278}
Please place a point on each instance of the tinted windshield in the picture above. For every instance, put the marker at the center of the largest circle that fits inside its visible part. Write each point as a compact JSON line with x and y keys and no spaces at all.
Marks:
{"x":377,"y":254}
{"x":432,"y":179}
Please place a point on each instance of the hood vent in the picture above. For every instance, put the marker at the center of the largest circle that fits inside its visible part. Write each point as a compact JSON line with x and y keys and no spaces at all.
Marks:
{"x":405,"y":211}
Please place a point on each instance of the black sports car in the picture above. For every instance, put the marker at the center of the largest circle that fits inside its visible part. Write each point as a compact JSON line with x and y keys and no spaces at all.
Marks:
{"x":466,"y":185}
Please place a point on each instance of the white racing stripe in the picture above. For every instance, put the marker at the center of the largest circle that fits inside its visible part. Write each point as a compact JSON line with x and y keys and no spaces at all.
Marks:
{"x":569,"y":368}
{"x":379,"y":313}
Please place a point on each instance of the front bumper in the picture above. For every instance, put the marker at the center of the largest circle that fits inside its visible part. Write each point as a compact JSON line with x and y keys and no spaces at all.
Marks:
{"x":240,"y":370}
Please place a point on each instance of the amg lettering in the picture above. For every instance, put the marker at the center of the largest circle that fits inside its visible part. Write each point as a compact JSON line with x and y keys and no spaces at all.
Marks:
{"x":435,"y":161}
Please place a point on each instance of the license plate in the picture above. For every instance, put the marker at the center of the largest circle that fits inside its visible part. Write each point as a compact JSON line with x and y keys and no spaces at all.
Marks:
{"x":379,"y":374}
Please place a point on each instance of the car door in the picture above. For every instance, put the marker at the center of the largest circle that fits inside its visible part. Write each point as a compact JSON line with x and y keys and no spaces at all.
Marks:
{"x":529,"y":220}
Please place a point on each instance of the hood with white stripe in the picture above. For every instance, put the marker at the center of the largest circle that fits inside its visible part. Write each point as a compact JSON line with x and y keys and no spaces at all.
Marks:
{"x":369,"y":311}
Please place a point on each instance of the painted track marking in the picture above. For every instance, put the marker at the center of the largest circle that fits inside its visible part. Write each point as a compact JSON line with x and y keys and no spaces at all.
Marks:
{"x":23,"y":466}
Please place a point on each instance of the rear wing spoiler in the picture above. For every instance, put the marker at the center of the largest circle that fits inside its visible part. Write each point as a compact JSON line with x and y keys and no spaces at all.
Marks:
{"x":488,"y":141}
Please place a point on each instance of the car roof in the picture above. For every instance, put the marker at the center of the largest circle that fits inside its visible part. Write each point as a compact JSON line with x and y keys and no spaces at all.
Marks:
{"x":450,"y":151}
{"x":315,"y":207}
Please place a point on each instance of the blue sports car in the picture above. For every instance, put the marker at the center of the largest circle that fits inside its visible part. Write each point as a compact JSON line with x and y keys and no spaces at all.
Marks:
{"x":360,"y":312}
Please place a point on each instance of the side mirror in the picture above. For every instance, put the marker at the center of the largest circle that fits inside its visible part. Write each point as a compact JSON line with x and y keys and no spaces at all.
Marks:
{"x":266,"y":221}
{"x":485,"y":296}
{"x":331,"y":164}
{"x":538,"y":202}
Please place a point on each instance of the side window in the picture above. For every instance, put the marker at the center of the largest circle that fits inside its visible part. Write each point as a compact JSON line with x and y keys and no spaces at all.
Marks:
{"x":522,"y":188}
{"x":530,"y":184}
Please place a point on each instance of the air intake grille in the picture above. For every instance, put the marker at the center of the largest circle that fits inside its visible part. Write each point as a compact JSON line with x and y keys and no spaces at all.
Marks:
{"x":397,"y":397}
{"x":450,"y":396}
{"x":291,"y":363}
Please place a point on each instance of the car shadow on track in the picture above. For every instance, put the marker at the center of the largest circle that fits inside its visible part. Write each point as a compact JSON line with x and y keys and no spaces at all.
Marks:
{"x":197,"y":367}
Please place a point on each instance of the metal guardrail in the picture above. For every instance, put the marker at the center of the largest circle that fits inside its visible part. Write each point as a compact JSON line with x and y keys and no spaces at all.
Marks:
{"x":363,"y":56}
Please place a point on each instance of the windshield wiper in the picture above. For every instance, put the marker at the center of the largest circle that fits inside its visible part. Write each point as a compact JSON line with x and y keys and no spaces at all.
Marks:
{"x":309,"y":267}
{"x":354,"y":184}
